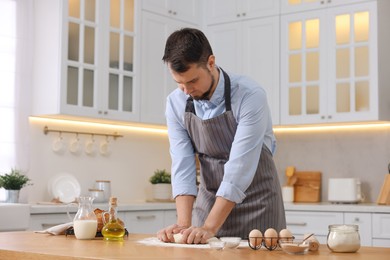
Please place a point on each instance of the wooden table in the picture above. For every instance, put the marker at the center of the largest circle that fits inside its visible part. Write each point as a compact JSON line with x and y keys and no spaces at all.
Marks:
{"x":30,"y":246}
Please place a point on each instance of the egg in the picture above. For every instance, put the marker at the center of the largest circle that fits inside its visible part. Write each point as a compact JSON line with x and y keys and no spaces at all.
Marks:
{"x":255,"y":238}
{"x":285,"y":234}
{"x":270,"y":238}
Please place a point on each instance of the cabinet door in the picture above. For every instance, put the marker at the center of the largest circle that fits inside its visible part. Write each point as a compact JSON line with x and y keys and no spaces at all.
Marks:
{"x":289,"y":6}
{"x":170,"y":217}
{"x":157,"y":82}
{"x":303,"y":68}
{"x":260,"y":58}
{"x":363,"y":220}
{"x":145,"y":222}
{"x":250,"y":48}
{"x":99,"y":77}
{"x":219,"y":11}
{"x":301,"y":223}
{"x":185,"y":10}
{"x":44,"y":221}
{"x":352,"y":69}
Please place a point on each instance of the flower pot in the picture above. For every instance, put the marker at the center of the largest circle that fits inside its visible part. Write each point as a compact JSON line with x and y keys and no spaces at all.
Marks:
{"x":162,"y":191}
{"x":12,"y":196}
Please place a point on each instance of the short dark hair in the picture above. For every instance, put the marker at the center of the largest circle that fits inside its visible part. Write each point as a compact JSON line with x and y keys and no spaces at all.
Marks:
{"x":185,"y":47}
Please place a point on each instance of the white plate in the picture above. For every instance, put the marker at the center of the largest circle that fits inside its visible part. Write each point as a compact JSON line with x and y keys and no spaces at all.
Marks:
{"x":65,"y":187}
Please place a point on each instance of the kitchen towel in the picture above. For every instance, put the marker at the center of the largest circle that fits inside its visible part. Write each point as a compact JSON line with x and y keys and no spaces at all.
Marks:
{"x":56,"y":230}
{"x":154,"y":241}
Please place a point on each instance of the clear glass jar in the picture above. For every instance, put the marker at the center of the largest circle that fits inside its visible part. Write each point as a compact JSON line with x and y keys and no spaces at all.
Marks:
{"x":343,"y":238}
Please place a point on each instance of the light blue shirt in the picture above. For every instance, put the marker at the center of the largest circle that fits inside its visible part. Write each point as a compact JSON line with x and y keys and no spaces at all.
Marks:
{"x":254,"y":128}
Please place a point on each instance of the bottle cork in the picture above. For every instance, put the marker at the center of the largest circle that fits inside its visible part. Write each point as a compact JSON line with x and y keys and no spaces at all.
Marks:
{"x":113,"y":201}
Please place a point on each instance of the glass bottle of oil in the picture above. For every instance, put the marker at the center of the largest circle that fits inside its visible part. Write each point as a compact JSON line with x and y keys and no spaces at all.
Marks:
{"x":113,"y":230}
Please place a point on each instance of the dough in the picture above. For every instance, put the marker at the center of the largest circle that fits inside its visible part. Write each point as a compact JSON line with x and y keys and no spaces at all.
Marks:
{"x":179,"y":238}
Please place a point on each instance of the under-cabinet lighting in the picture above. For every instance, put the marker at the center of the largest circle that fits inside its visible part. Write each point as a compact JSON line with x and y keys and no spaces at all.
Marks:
{"x":117,"y":126}
{"x":154,"y":129}
{"x":324,"y":128}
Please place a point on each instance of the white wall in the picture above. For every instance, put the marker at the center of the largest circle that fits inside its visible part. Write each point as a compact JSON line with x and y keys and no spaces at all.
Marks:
{"x":363,"y":153}
{"x":132,"y":161}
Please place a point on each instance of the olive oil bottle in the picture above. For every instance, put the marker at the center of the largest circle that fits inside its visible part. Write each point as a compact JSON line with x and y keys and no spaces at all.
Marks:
{"x":113,"y":230}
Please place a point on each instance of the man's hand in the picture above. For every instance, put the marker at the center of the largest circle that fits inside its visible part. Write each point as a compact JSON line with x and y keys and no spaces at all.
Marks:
{"x":196,"y":235}
{"x":166,"y":234}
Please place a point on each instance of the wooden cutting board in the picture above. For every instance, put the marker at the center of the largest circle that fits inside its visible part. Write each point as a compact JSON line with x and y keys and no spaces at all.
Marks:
{"x":384,"y":195}
{"x":308,"y":186}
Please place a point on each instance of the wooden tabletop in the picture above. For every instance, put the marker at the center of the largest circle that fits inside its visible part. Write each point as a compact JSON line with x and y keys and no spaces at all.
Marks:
{"x":31,"y":246}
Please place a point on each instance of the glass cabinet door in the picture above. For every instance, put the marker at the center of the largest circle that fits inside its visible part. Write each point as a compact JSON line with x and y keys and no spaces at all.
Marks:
{"x":351,"y":62}
{"x":121,"y":56}
{"x":81,"y":52}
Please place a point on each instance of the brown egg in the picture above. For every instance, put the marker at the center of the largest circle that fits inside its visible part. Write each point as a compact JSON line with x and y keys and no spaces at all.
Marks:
{"x":270,"y":238}
{"x":255,"y":238}
{"x":285,"y":234}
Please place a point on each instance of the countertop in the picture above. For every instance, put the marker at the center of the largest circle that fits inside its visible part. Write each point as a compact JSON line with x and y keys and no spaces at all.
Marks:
{"x":142,"y":205}
{"x":29,"y":245}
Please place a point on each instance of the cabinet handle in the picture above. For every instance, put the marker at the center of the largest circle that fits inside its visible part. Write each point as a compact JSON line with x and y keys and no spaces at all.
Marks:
{"x":356,"y":220}
{"x":105,"y":112}
{"x":243,"y":14}
{"x":322,"y":117}
{"x":146,"y":217}
{"x":322,"y":2}
{"x":169,"y":11}
{"x":329,"y":117}
{"x":238,"y":15}
{"x":302,"y":224}
{"x":329,"y":1}
{"x":100,"y":112}
{"x":174,"y":13}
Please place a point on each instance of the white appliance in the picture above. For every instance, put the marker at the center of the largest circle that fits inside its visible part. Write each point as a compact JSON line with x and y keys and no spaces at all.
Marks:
{"x":344,"y":190}
{"x":14,"y":216}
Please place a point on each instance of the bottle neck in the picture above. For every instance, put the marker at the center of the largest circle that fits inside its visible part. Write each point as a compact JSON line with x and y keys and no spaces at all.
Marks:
{"x":113,"y":212}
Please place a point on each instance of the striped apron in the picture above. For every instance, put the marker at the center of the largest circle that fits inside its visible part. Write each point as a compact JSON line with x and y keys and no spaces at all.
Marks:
{"x":212,"y":140}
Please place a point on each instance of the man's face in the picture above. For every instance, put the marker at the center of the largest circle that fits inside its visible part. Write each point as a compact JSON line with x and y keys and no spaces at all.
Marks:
{"x":196,"y":82}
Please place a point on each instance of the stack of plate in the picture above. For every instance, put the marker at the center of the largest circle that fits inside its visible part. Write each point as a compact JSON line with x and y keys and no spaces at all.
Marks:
{"x":64,"y":187}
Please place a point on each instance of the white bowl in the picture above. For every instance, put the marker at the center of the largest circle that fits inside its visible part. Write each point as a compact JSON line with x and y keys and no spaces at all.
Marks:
{"x":295,"y":247}
{"x":231,"y":242}
{"x":217,"y":244}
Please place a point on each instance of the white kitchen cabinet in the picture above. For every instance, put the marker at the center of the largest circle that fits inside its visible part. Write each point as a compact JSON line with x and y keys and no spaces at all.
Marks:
{"x":363,"y":220}
{"x":331,"y":65}
{"x":220,"y":11}
{"x":44,"y":221}
{"x":290,"y":6}
{"x":250,"y":48}
{"x":301,"y":223}
{"x":184,"y":10}
{"x":157,"y":82}
{"x":381,"y":230}
{"x":85,"y":62}
{"x":149,"y":221}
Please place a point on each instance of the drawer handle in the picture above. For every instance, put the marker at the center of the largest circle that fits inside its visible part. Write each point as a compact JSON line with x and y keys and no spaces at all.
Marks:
{"x":146,"y":217}
{"x":302,"y":224}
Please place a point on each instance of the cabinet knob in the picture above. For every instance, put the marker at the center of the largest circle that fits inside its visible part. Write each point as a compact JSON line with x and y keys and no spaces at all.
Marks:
{"x":105,"y":112}
{"x":356,"y":220}
{"x":238,"y":15}
{"x":169,"y":11}
{"x":329,"y":117}
{"x":322,"y":2}
{"x":322,"y":117}
{"x":174,"y":13}
{"x":243,"y":14}
{"x":100,"y":112}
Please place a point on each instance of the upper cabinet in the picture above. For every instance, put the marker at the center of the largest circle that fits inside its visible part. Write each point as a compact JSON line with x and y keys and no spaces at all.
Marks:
{"x":184,"y":10}
{"x":248,"y":46}
{"x":330,"y":65}
{"x":156,"y":81}
{"x":219,"y":11}
{"x":291,"y":6}
{"x":85,"y":59}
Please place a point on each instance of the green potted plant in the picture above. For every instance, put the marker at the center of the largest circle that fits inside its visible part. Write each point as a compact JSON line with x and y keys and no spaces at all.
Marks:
{"x":13,"y":182}
{"x":161,"y":181}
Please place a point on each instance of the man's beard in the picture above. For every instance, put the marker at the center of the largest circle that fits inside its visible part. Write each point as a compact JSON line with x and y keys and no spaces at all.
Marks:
{"x":205,"y":96}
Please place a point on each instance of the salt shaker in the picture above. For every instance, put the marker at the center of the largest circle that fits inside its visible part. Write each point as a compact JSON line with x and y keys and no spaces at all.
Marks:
{"x":343,"y":238}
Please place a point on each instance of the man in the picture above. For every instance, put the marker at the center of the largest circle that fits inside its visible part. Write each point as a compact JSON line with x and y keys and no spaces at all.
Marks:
{"x":225,"y":120}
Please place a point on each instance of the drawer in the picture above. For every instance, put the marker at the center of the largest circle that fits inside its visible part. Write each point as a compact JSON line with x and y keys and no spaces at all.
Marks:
{"x":299,"y":222}
{"x":170,"y":217}
{"x":363,"y":220}
{"x":146,"y":222}
{"x":381,"y":228}
{"x":44,"y":221}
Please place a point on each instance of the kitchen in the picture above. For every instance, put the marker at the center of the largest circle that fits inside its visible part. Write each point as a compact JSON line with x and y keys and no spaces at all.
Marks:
{"x":361,"y":152}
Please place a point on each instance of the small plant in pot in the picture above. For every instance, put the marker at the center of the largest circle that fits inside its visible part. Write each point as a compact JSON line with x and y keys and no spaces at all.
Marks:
{"x":162,"y":189}
{"x":13,"y":182}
